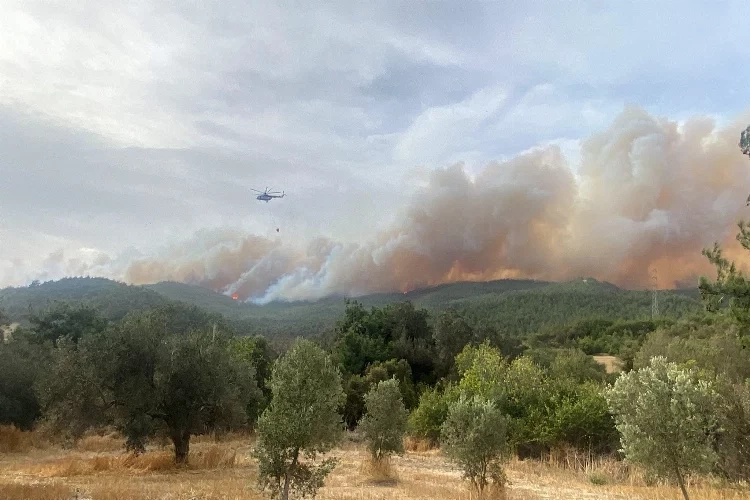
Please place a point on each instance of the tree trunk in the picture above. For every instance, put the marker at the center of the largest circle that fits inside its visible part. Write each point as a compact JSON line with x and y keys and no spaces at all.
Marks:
{"x":285,"y":493}
{"x":681,"y":482}
{"x":181,"y":441}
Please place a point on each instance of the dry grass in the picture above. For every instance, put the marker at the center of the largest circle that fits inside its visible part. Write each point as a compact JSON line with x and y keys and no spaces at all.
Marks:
{"x":207,"y":458}
{"x":101,"y":443}
{"x":14,"y":440}
{"x":228,"y":437}
{"x":13,"y":491}
{"x":379,"y":472}
{"x":220,"y":469}
{"x":612,"y":364}
{"x":568,"y":471}
{"x":417,"y":444}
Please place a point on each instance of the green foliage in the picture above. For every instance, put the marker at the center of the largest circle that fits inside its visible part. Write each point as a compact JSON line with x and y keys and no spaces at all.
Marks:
{"x":427,"y":419}
{"x":356,"y":350}
{"x":379,"y":343}
{"x":712,"y":343}
{"x":257,"y":354}
{"x":733,"y":440}
{"x":300,"y":422}
{"x":474,"y":435}
{"x":731,"y":288}
{"x":20,"y":366}
{"x":576,"y":365}
{"x":401,"y":371}
{"x":384,"y":423}
{"x":546,"y":308}
{"x":730,"y":283}
{"x":356,"y":386}
{"x":113,"y":300}
{"x":476,"y":335}
{"x":65,"y":320}
{"x":524,"y":395}
{"x":595,"y":336}
{"x":396,"y":331}
{"x":713,"y":346}
{"x":666,"y":416}
{"x":544,"y":408}
{"x":501,"y":311}
{"x":482,"y":370}
{"x":722,"y":352}
{"x":567,"y":363}
{"x":578,"y":415}
{"x":157,"y":372}
{"x":452,"y":333}
{"x":68,"y":390}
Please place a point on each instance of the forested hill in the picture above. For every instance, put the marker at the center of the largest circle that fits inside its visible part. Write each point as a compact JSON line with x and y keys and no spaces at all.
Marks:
{"x":511,"y":306}
{"x":111,"y":298}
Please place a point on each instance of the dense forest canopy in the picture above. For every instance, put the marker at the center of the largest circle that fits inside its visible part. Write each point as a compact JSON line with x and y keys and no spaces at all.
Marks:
{"x":510,"y":306}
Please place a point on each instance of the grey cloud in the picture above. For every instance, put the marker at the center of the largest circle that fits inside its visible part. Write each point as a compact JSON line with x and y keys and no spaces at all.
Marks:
{"x":646,"y":196}
{"x":54,"y":175}
{"x":134,"y":125}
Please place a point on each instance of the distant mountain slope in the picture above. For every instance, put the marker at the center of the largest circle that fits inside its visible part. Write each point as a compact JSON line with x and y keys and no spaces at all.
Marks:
{"x":524,"y":311}
{"x":200,"y":296}
{"x":112,"y":298}
{"x":512,"y":306}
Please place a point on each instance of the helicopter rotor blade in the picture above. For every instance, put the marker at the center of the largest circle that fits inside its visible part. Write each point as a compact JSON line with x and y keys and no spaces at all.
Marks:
{"x":267,"y":191}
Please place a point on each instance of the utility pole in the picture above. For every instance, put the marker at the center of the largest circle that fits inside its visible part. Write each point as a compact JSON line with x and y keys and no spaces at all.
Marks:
{"x":654,"y":295}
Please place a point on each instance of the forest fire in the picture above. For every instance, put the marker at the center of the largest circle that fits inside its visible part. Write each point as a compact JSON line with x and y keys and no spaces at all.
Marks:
{"x":531,"y":216}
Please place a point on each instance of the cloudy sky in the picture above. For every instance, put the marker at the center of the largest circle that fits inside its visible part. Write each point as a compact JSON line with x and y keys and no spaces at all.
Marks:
{"x":127,"y":127}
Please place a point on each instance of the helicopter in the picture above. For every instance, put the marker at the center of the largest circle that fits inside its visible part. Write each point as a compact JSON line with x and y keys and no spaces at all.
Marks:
{"x":268,"y":195}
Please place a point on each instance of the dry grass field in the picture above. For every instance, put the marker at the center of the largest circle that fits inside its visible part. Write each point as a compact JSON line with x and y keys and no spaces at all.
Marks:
{"x":98,"y":469}
{"x":612,"y":364}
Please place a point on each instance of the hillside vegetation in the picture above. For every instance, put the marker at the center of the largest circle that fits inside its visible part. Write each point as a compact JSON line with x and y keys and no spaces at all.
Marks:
{"x":112,"y":299}
{"x":512,"y":306}
{"x":488,"y":373}
{"x":482,"y":371}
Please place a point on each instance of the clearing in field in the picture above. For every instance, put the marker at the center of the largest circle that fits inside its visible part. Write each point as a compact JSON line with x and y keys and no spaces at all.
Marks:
{"x":612,"y":364}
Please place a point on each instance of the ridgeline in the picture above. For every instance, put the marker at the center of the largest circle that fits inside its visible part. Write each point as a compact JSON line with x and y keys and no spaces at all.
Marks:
{"x":514,"y":307}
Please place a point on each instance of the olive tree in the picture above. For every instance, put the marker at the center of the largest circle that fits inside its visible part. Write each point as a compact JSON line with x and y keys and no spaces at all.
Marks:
{"x":474,"y":435}
{"x":156,"y":373}
{"x":384,"y":423}
{"x":666,"y":417}
{"x":301,"y":421}
{"x":20,"y":366}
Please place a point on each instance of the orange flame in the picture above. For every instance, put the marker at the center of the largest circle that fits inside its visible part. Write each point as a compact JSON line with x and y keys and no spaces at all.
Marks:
{"x":235,"y":296}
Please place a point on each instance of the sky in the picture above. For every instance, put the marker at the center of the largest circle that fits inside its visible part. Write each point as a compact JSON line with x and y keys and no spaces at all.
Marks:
{"x":133,"y":133}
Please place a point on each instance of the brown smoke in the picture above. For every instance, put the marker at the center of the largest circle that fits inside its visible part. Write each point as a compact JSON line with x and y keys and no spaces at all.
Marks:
{"x":649,"y":193}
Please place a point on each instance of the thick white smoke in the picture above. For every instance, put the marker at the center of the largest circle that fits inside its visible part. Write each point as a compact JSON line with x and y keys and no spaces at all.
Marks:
{"x":648,"y":193}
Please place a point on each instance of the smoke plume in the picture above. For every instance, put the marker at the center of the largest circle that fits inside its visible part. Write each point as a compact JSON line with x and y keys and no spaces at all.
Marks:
{"x":649,"y":193}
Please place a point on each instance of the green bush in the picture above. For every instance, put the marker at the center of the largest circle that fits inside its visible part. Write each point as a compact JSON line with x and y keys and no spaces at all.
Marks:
{"x":474,"y":435}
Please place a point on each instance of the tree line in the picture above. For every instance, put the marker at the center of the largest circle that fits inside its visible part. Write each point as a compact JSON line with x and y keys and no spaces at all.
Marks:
{"x":175,"y":371}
